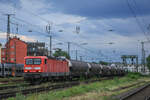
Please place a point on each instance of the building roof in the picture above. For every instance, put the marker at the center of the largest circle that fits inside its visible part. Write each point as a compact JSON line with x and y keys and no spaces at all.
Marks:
{"x":28,"y":43}
{"x":15,"y":38}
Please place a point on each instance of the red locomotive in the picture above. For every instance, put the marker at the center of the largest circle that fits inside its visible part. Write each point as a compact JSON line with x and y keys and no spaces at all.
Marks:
{"x":39,"y":68}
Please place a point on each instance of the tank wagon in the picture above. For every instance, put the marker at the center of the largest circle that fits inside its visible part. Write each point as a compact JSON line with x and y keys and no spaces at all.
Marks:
{"x":7,"y":70}
{"x":39,"y":68}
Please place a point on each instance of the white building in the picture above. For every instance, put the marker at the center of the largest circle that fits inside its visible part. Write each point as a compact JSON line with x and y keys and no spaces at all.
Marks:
{"x":132,"y":68}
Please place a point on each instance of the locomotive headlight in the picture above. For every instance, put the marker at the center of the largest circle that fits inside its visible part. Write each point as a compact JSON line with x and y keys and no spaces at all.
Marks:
{"x":27,"y":67}
{"x":37,"y":67}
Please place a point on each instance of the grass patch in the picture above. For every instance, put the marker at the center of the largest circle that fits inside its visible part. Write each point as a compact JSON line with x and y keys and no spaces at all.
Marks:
{"x":19,"y":96}
{"x":104,"y":86}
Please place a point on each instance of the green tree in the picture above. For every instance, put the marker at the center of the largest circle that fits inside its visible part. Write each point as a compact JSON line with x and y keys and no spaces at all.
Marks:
{"x":94,"y":62}
{"x":148,"y":61}
{"x":59,"y":53}
{"x":103,"y":62}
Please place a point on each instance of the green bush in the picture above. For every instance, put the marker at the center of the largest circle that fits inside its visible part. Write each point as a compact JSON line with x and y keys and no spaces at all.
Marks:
{"x":19,"y":96}
{"x":134,"y":75}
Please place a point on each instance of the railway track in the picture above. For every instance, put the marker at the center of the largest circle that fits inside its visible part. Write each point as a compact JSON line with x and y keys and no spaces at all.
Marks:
{"x":8,"y":87}
{"x":11,"y":81}
{"x":129,"y":86}
{"x":5,"y":95}
{"x":36,"y":90}
{"x":13,"y":86}
{"x":140,"y":93}
{"x":25,"y":85}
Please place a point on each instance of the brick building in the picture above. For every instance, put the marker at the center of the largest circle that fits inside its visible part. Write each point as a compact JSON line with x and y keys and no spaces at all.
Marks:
{"x":18,"y":49}
{"x":16,"y":52}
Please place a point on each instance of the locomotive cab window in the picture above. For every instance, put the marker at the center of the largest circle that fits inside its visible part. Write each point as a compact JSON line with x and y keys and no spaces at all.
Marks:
{"x":29,"y":61}
{"x":35,"y":61}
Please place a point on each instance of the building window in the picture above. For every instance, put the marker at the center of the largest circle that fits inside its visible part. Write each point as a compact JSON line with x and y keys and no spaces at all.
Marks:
{"x":33,"y":49}
{"x":3,"y":58}
{"x":12,"y":59}
{"x":13,"y":46}
{"x":3,"y":53}
{"x":12,"y":53}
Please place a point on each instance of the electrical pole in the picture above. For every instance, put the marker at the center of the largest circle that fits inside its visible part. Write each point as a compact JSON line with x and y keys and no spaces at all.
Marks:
{"x":144,"y":62}
{"x":76,"y":54}
{"x":50,"y":37}
{"x":16,"y":28}
{"x":80,"y":58}
{"x":143,"y":55}
{"x":8,"y":36}
{"x":48,"y":29}
{"x":69,"y":48}
{"x":8,"y":26}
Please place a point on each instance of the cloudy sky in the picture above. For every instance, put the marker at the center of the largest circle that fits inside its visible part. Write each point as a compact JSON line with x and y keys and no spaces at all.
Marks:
{"x":123,"y":22}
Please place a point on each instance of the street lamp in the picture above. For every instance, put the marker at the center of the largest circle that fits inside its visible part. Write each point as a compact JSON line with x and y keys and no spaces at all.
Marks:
{"x":111,"y":43}
{"x":58,"y":47}
{"x":83,"y":44}
{"x":59,"y":43}
{"x":111,"y":30}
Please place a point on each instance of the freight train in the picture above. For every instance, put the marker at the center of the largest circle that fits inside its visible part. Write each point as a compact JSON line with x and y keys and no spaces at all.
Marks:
{"x":7,"y":70}
{"x":39,"y":68}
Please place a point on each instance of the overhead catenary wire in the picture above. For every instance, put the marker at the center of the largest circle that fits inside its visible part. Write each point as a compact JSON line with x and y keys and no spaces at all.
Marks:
{"x":67,"y":42}
{"x":19,"y":19}
{"x":139,"y":10}
{"x":56,"y":39}
{"x":46,"y":34}
{"x":36,"y":15}
{"x":138,"y":23}
{"x":89,"y":50}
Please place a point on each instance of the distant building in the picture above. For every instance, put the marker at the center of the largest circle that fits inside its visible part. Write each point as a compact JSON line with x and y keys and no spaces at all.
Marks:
{"x":0,"y":51}
{"x":36,"y":49}
{"x":15,"y":50}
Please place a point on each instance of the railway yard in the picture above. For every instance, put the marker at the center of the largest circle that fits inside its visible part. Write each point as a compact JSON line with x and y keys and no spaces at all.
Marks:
{"x":106,"y":88}
{"x":74,"y":50}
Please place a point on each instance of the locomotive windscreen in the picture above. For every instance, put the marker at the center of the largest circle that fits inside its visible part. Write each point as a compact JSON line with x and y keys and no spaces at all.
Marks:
{"x":34,"y":61}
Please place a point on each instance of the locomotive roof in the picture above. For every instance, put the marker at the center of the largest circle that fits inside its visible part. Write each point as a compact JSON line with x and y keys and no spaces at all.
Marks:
{"x":44,"y":57}
{"x":35,"y":57}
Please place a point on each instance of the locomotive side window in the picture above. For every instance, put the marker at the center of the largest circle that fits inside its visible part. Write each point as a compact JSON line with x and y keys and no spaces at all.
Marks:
{"x":45,"y":61}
